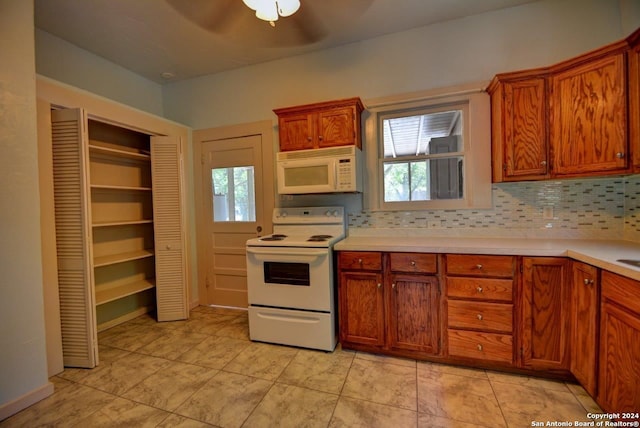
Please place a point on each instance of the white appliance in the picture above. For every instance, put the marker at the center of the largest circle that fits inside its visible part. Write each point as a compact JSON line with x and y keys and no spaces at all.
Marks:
{"x":329,"y":170}
{"x":290,"y":278}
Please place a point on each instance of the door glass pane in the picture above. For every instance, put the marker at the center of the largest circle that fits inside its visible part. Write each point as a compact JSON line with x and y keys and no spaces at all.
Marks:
{"x":233,"y":194}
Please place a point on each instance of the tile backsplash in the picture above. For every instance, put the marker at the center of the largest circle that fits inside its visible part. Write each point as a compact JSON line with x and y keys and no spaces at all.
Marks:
{"x":599,"y":208}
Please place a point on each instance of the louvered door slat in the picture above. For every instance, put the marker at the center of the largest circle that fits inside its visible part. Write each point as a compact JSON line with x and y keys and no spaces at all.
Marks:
{"x":72,"y":217}
{"x":168,"y":220}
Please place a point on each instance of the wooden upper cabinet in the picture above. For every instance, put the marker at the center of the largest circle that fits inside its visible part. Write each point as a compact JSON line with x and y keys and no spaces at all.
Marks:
{"x":320,"y":125}
{"x":519,"y":127}
{"x":634,"y":99}
{"x":589,"y":118}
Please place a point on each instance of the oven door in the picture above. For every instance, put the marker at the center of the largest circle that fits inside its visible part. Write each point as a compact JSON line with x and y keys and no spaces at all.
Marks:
{"x":293,"y":278}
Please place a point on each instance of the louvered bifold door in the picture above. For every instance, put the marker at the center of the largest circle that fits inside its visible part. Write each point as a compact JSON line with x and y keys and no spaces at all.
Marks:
{"x":73,"y":238}
{"x":169,"y":228}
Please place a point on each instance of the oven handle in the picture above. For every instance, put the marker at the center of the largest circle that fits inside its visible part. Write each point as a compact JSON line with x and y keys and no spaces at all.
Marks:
{"x":290,"y":318}
{"x":306,"y":256}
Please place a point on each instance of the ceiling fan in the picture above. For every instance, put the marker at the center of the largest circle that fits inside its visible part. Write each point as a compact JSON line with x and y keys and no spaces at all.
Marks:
{"x":237,"y":22}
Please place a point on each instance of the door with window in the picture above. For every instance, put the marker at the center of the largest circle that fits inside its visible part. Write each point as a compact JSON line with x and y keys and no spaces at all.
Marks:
{"x":237,"y":201}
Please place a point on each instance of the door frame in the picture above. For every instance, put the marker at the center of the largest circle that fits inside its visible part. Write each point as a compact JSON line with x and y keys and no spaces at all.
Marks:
{"x":265,"y":130}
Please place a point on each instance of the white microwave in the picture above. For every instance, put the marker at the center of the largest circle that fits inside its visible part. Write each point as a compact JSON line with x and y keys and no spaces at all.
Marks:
{"x":328,"y":170}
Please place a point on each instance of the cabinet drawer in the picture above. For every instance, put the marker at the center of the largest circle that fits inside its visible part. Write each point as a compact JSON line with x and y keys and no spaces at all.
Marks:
{"x":480,"y":265}
{"x":483,"y":346}
{"x":413,"y":262}
{"x":622,"y":290}
{"x":496,"y":317}
{"x":360,"y":260}
{"x":480,"y":288}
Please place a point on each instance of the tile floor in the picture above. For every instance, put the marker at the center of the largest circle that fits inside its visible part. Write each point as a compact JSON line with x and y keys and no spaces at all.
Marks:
{"x":206,"y":372}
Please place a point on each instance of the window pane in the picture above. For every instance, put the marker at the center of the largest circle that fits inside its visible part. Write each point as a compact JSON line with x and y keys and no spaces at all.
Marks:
{"x":422,"y":134}
{"x":396,"y":182}
{"x":446,"y":178}
{"x":419,"y":189}
{"x":233,"y":194}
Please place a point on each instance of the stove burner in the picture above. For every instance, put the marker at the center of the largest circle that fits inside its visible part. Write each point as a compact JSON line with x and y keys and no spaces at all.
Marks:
{"x":319,"y":238}
{"x":274,"y":237}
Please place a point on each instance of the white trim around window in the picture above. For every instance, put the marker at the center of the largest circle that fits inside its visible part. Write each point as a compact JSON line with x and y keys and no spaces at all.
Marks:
{"x":477,"y":147}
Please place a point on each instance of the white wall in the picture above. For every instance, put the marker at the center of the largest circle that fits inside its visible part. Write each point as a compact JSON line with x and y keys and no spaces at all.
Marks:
{"x":62,"y":61}
{"x":450,"y":53}
{"x":23,"y":365}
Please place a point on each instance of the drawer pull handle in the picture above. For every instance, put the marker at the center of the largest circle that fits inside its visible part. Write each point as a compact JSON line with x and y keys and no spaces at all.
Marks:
{"x":359,"y":261}
{"x":479,"y":290}
{"x":413,"y":263}
{"x":479,"y":266}
{"x":479,"y":317}
{"x":479,"y":347}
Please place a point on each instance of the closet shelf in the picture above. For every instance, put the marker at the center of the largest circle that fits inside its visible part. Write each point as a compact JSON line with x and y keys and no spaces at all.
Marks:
{"x":110,"y":187}
{"x":119,"y":153}
{"x":109,"y":294}
{"x":122,"y":257}
{"x":121,"y":223}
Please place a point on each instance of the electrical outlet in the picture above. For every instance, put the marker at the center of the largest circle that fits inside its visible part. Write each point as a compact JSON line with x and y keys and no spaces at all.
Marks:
{"x":547,"y":212}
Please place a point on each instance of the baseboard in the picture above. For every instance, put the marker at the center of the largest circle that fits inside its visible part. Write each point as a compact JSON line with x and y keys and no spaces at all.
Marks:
{"x":21,"y":403}
{"x":194,"y":304}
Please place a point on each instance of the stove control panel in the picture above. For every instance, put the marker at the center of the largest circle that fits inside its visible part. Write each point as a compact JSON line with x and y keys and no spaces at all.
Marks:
{"x":301,"y":215}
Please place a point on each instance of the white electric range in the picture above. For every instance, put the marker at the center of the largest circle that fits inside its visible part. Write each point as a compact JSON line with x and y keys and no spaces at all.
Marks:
{"x":290,"y":278}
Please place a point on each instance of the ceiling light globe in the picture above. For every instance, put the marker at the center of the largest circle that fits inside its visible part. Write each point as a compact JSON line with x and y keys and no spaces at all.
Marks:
{"x":252,"y":4}
{"x":288,"y":7}
{"x":267,"y":11}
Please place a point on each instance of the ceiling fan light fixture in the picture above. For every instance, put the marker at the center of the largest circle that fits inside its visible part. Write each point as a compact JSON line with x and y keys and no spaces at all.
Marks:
{"x":288,"y":7}
{"x":270,"y":10}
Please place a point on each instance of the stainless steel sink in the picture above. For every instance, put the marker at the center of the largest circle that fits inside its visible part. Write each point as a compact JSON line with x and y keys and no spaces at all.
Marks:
{"x":632,"y":262}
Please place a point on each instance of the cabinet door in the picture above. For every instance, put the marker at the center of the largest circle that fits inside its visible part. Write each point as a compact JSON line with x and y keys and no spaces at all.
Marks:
{"x":413,"y":313}
{"x":619,"y":373}
{"x":361,"y":308}
{"x":634,"y":103}
{"x":584,"y":325}
{"x":73,"y":242}
{"x":589,"y":110}
{"x":296,"y":131}
{"x":169,"y":229}
{"x":545,"y":313}
{"x":525,"y":130}
{"x":336,"y":127}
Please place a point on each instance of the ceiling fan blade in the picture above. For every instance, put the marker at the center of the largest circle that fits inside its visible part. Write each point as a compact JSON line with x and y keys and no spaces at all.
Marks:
{"x":217,"y":16}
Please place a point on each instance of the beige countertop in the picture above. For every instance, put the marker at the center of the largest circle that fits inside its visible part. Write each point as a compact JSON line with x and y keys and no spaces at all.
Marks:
{"x":600,"y":253}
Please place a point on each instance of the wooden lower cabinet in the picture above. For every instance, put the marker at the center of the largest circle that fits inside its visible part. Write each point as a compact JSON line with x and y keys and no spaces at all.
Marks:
{"x":361,"y":308}
{"x":545,"y":325}
{"x":585,"y":288}
{"x":480,"y":307}
{"x":619,"y":364}
{"x":389,"y":302}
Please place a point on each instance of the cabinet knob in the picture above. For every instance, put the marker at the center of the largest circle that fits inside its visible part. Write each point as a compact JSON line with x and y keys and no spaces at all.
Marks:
{"x":413,"y":263}
{"x":543,"y":163}
{"x":309,"y":138}
{"x":620,"y":155}
{"x":379,"y":285}
{"x":479,"y":290}
{"x":479,"y":317}
{"x":320,"y":137}
{"x":393,"y":285}
{"x":588,"y":281}
{"x":360,"y":261}
{"x":479,"y":347}
{"x":479,"y":266}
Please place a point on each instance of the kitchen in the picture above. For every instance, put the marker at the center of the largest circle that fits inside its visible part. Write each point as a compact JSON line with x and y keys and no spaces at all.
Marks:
{"x":492,"y":42}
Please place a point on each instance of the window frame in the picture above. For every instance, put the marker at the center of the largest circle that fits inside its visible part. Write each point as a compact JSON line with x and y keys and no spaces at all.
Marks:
{"x":476,"y":147}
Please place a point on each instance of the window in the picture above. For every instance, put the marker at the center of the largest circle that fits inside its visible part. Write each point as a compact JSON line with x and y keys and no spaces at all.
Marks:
{"x":233,"y":194}
{"x":429,"y":153}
